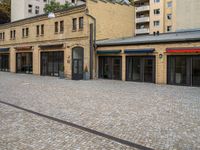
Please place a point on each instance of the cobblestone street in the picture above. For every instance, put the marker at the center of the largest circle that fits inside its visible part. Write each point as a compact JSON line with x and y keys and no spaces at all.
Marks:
{"x":160,"y":117}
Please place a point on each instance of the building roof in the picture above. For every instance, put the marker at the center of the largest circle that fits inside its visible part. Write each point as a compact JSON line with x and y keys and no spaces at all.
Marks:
{"x":182,"y":36}
{"x":44,"y":15}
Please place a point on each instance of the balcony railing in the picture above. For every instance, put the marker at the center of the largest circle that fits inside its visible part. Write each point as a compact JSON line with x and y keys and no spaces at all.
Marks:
{"x":142,"y":8}
{"x":142,"y":31}
{"x":142,"y":19}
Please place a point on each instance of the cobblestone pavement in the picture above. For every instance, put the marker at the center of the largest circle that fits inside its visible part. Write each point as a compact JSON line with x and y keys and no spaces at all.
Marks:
{"x":20,"y":130}
{"x":157,"y":116}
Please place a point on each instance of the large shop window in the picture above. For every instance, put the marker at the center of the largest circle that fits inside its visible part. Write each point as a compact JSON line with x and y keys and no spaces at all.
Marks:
{"x":51,"y":62}
{"x":4,"y":62}
{"x":110,"y":67}
{"x":24,"y":62}
{"x":140,"y":68}
{"x":184,"y":70}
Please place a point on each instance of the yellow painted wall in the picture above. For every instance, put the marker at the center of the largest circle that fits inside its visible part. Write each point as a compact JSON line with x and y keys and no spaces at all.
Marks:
{"x":187,"y":14}
{"x":113,"y":20}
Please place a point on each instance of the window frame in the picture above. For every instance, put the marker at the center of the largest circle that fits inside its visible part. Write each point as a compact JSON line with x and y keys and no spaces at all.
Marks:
{"x":74,"y":24}
{"x":56,"y":27}
{"x":81,"y":23}
{"x":62,"y":26}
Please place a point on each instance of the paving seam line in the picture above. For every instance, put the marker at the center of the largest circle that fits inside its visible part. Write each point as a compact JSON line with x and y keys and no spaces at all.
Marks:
{"x":118,"y":140}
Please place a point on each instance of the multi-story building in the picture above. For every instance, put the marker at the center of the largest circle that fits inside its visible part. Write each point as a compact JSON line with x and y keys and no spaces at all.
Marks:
{"x":161,"y":16}
{"x":42,"y":45}
{"x":21,"y":9}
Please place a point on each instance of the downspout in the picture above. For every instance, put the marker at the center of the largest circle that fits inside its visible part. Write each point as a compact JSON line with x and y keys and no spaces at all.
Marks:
{"x":92,"y":43}
{"x":94,"y":19}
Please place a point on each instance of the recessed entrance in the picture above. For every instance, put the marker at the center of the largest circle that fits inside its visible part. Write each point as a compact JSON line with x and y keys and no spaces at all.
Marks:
{"x":51,"y":62}
{"x":140,"y":68}
{"x":4,"y":62}
{"x":110,"y":67}
{"x":24,"y":62}
{"x":77,"y":63}
{"x":184,"y":70}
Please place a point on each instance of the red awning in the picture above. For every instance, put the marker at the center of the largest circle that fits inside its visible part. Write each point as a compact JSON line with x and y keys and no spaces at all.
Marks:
{"x":183,"y":50}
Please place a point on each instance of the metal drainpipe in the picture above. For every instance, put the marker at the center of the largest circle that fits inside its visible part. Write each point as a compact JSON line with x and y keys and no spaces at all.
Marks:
{"x":93,"y":46}
{"x":94,"y":19}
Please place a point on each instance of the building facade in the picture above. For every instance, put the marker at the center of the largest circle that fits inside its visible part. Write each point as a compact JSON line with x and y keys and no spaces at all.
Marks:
{"x":170,"y":58}
{"x":42,"y":46}
{"x":21,"y":9}
{"x":162,"y":16}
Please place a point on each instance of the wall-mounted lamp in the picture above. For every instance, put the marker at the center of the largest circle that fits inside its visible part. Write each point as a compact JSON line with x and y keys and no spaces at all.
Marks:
{"x":160,"y":56}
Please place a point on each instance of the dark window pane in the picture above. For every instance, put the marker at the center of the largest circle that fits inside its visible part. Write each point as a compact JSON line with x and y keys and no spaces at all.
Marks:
{"x":42,"y":29}
{"x":61,"y":26}
{"x":196,"y":71}
{"x":180,"y":73}
{"x":56,"y":27}
{"x":74,"y":24}
{"x":37,"y":30}
{"x":148,"y":70}
{"x":81,"y":23}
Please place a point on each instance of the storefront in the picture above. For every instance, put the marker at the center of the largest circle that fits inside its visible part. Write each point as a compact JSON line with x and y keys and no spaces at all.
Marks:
{"x":24,"y":59}
{"x":110,"y":67}
{"x":51,"y":63}
{"x":52,"y":59}
{"x":24,"y":62}
{"x":4,"y":59}
{"x":140,"y":68}
{"x":183,"y":69}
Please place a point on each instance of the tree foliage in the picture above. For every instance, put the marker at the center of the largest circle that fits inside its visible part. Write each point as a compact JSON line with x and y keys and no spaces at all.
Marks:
{"x":55,"y":6}
{"x":5,"y":9}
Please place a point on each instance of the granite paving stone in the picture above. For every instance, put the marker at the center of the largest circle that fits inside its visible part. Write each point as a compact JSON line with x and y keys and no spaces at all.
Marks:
{"x":157,"y":116}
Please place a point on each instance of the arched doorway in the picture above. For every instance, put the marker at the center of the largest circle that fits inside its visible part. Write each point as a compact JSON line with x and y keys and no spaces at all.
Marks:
{"x":77,"y":63}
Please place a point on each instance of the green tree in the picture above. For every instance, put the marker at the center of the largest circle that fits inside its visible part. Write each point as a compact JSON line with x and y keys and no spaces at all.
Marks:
{"x":55,"y":6}
{"x":5,"y":11}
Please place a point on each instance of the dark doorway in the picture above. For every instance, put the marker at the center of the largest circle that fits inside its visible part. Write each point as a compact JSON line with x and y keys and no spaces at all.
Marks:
{"x":184,"y":70}
{"x":24,"y":62}
{"x":196,"y":71}
{"x":110,"y":67}
{"x":51,"y":62}
{"x":140,"y":68}
{"x":77,"y":63}
{"x":4,"y":62}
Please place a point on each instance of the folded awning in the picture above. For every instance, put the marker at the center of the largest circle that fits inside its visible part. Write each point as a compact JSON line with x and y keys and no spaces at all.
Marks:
{"x":4,"y":49}
{"x":24,"y":48}
{"x":108,"y":51}
{"x":51,"y":46}
{"x":183,"y":50}
{"x":138,"y":51}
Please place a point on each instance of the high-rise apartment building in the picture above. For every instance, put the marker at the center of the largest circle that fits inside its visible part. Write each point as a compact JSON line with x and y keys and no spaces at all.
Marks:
{"x":21,"y":9}
{"x":161,"y":16}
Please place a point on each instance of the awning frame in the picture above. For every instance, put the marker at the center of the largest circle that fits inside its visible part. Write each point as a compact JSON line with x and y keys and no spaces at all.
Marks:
{"x":139,"y":51}
{"x":51,"y":46}
{"x":4,"y":50}
{"x":108,"y":51}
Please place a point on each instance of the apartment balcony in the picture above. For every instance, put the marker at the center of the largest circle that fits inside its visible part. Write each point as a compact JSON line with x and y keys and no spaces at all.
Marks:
{"x":142,"y":8}
{"x":142,"y":19}
{"x":142,"y":31}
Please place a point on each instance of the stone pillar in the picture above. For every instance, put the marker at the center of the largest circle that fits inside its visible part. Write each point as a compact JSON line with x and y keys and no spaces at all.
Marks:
{"x":68,"y":62}
{"x":123,"y":67}
{"x":161,"y":68}
{"x":36,"y":60}
{"x":12,"y":60}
